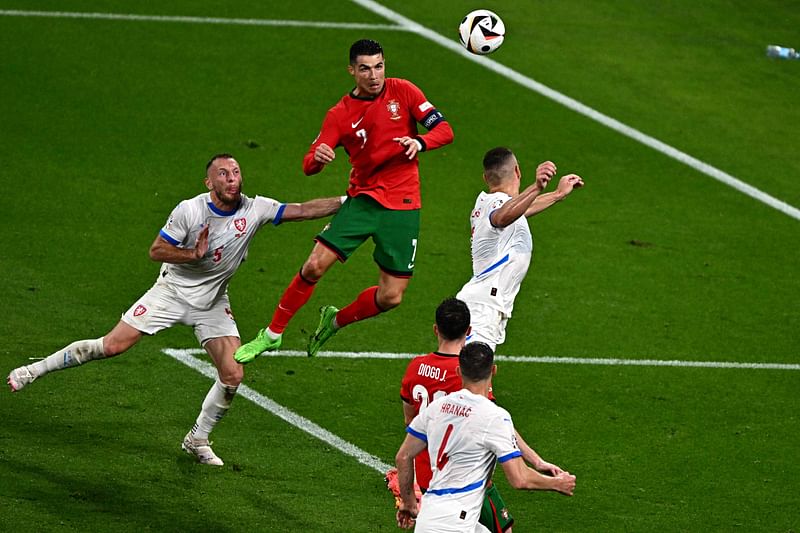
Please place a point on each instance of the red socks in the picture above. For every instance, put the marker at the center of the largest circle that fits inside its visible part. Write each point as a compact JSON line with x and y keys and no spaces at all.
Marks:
{"x":362,"y":307}
{"x":294,"y":297}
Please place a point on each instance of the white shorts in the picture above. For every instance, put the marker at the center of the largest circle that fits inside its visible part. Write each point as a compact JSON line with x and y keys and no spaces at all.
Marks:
{"x":488,"y":324}
{"x":447,"y":515}
{"x":161,"y":308}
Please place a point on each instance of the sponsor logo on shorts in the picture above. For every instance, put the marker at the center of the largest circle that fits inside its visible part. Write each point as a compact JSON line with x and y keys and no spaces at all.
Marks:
{"x":140,"y":310}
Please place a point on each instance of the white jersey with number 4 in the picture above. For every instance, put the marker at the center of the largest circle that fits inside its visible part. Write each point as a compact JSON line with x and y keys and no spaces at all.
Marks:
{"x":201,"y":282}
{"x":466,"y":434}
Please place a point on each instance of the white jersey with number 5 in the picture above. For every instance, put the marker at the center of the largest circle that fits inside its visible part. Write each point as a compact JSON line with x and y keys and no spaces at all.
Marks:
{"x":500,"y":256}
{"x":466,"y":434}
{"x":201,"y":282}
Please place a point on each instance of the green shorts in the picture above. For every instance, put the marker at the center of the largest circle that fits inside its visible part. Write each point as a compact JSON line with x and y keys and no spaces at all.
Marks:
{"x":494,"y":513}
{"x":394,"y":233}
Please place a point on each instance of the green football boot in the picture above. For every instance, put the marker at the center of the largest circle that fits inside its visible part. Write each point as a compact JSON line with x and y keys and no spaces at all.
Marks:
{"x":254,"y":348}
{"x":324,"y":331}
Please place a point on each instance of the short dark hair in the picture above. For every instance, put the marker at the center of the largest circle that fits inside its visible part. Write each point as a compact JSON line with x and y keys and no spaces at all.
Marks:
{"x":364,"y":47}
{"x":218,"y":156}
{"x":494,"y":161}
{"x":452,"y":319}
{"x":476,"y":361}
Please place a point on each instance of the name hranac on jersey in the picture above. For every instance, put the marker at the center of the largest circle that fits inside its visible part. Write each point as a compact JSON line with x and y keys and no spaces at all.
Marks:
{"x":500,"y":256}
{"x":465,"y":433}
{"x":201,"y":282}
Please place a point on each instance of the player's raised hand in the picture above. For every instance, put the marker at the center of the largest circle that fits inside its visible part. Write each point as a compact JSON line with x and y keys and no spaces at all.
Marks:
{"x":201,"y":244}
{"x":411,"y":145}
{"x":324,"y":154}
{"x":544,"y":173}
{"x":567,"y":183}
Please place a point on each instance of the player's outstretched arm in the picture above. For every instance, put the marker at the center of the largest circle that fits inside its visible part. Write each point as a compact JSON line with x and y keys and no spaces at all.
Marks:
{"x":318,"y":208}
{"x":521,"y":476}
{"x":165,"y":252}
{"x":533,"y":458}
{"x":518,"y":206}
{"x":566,"y":185}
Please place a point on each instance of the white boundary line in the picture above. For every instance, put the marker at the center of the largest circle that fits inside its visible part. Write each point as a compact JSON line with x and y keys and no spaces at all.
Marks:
{"x":582,"y":109}
{"x":525,"y":359}
{"x":405,"y":24}
{"x":208,"y":370}
{"x":186,"y":356}
{"x":202,"y":20}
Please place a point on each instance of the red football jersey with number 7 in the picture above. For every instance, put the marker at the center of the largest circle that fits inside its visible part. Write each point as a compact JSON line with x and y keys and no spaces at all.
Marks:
{"x":366,"y":129}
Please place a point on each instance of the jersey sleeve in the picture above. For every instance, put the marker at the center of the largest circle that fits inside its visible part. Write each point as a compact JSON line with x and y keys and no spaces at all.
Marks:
{"x":439,"y":131}
{"x":494,"y":206}
{"x":177,"y":227}
{"x":328,"y":134}
{"x":418,"y":426}
{"x":500,"y":437}
{"x":406,"y":392}
{"x":268,"y":210}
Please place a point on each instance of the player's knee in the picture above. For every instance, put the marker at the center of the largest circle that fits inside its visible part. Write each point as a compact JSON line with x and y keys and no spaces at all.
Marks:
{"x":389,"y":299}
{"x":313,"y":269}
{"x":232,"y":376}
{"x":112,"y":347}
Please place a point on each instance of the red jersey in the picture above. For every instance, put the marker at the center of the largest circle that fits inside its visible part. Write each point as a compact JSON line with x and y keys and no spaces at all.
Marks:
{"x":365,"y":128}
{"x":427,"y":378}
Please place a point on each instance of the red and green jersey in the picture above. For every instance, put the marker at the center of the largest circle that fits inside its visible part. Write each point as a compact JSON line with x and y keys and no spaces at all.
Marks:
{"x":366,"y":127}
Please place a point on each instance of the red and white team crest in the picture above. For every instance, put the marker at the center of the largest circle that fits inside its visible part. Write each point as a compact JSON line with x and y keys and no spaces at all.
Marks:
{"x":140,"y":310}
{"x":241,"y":224}
{"x":394,"y":107}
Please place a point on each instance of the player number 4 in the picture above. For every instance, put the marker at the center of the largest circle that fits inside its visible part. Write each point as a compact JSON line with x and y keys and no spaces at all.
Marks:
{"x":442,"y":458}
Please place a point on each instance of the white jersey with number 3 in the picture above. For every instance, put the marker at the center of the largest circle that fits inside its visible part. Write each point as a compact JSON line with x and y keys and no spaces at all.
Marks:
{"x":201,"y":282}
{"x":466,"y":434}
{"x":500,"y":256}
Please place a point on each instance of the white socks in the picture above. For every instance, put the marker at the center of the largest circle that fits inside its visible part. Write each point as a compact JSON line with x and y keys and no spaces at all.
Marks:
{"x":217,"y":402}
{"x":75,"y":354}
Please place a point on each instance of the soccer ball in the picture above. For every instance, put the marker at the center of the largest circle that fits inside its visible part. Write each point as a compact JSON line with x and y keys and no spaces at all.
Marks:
{"x":481,"y":32}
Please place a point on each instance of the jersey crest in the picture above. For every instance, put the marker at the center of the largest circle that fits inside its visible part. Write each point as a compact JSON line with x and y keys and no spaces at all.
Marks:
{"x":394,"y":107}
{"x":241,"y":224}
{"x":140,"y":310}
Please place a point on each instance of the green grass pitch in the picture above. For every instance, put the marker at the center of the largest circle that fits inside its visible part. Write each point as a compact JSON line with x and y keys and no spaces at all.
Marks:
{"x":107,"y":125}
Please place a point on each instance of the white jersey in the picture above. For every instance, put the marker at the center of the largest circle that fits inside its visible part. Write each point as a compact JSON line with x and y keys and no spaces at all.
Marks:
{"x":500,"y":256}
{"x":466,"y":434}
{"x":201,"y":282}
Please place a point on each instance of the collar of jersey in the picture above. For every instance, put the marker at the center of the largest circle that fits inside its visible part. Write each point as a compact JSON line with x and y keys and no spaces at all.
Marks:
{"x":368,"y":98}
{"x":216,"y":210}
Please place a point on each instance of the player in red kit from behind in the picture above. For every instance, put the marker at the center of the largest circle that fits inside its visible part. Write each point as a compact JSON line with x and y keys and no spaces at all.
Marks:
{"x":376,"y":124}
{"x":429,"y":377}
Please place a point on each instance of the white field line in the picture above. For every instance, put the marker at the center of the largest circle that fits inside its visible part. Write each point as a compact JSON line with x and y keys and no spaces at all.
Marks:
{"x":186,"y":356}
{"x":405,"y":24}
{"x":578,"y":107}
{"x":202,"y":20}
{"x":208,"y":370}
{"x":521,"y":359}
